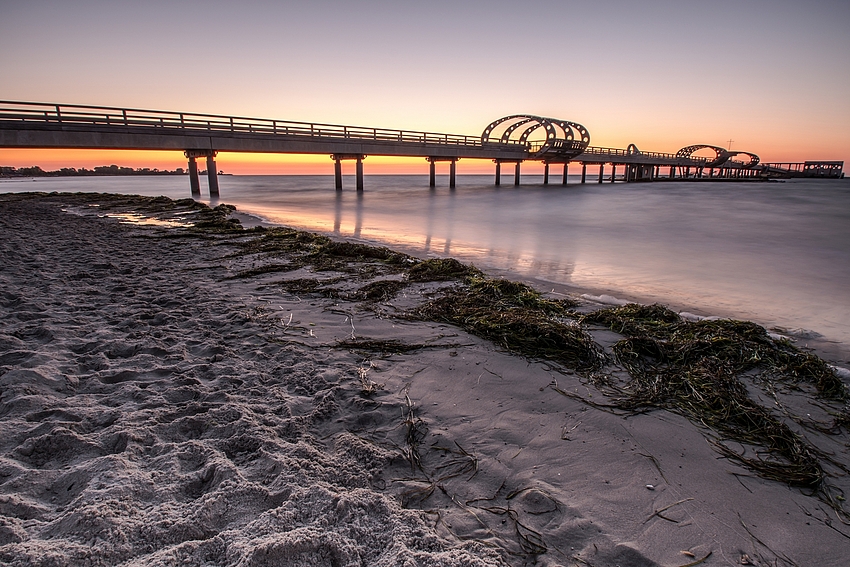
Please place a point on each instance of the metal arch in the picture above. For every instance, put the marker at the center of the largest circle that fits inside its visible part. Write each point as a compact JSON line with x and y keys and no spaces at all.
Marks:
{"x":754,"y":159}
{"x":585,"y":135}
{"x":560,"y":134}
{"x":720,"y":154}
{"x":506,"y":135}
{"x":632,"y":150}
{"x":485,"y":137}
{"x":526,"y":124}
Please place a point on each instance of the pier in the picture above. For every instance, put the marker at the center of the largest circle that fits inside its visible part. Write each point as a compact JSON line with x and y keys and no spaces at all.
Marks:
{"x":511,"y":140}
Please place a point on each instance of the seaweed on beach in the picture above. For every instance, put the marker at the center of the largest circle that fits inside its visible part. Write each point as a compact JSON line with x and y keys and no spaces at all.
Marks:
{"x":381,"y":290}
{"x":217,"y":219}
{"x":441,"y":269}
{"x":697,"y":369}
{"x":516,"y":317}
{"x":320,"y":253}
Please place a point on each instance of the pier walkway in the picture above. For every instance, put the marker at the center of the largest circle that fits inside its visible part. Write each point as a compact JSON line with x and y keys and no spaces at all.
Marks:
{"x":508,"y":140}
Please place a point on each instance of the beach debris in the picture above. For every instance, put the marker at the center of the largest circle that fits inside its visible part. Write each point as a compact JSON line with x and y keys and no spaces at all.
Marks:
{"x":517,"y":318}
{"x":664,"y":509}
{"x":441,"y":269}
{"x":650,"y":487}
{"x":367,"y":386}
{"x":698,"y":561}
{"x":696,"y":369}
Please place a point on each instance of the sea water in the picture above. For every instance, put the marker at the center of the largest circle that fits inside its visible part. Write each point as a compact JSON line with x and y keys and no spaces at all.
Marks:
{"x":774,"y":253}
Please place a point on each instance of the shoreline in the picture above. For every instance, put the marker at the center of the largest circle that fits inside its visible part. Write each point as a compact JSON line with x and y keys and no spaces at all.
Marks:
{"x":268,"y":402}
{"x":837,"y":352}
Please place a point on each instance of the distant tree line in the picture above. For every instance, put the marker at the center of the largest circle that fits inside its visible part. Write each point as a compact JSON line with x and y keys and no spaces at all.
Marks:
{"x":36,"y":171}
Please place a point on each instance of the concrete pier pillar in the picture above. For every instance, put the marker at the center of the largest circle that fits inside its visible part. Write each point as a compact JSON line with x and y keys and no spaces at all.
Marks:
{"x":453,"y":173}
{"x":359,"y":173}
{"x":672,"y":172}
{"x":613,"y":172}
{"x":546,"y":173}
{"x":601,"y":171}
{"x":194,"y":182}
{"x":516,"y":173}
{"x":498,"y":173}
{"x":432,"y":173}
{"x":338,"y":169}
{"x":657,"y":171}
{"x":212,"y":174}
{"x":566,"y":173}
{"x":583,"y":172}
{"x":337,"y":173}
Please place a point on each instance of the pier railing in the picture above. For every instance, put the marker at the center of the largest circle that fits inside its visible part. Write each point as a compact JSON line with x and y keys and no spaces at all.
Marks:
{"x":600,"y":151}
{"x":79,"y":115}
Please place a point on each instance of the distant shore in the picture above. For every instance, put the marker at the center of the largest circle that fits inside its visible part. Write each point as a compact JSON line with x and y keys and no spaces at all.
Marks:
{"x":36,"y":171}
{"x":177,"y":390}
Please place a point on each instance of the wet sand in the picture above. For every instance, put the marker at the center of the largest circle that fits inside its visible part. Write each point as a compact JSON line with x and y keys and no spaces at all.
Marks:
{"x":155,"y":410}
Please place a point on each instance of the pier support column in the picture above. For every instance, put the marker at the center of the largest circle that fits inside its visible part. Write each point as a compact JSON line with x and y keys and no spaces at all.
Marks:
{"x":432,"y":173}
{"x":338,"y":169}
{"x":583,"y":172}
{"x":359,"y":173}
{"x":566,"y":173}
{"x":337,"y":173}
{"x":601,"y":171}
{"x":613,"y":172}
{"x":194,"y":182}
{"x":452,"y":174}
{"x":546,"y":173}
{"x":212,"y":175}
{"x":498,"y":172}
{"x":516,"y":173}
{"x":672,"y":172}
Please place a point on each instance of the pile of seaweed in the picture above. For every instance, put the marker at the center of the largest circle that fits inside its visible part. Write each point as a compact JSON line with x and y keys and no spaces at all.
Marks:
{"x":512,"y":315}
{"x":698,"y":369}
{"x":300,"y":249}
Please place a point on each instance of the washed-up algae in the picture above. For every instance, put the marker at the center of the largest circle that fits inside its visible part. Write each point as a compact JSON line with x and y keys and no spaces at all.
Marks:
{"x":517,"y":318}
{"x":697,"y":369}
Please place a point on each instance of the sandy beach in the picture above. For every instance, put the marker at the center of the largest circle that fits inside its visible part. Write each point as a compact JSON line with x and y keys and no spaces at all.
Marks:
{"x":175,"y":391}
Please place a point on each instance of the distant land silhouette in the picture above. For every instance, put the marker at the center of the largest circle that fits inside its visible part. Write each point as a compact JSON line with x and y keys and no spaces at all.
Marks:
{"x":36,"y":171}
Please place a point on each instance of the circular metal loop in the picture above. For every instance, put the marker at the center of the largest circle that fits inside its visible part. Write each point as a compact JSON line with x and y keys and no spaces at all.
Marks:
{"x":721,"y":155}
{"x":560,"y":142}
{"x":754,"y":159}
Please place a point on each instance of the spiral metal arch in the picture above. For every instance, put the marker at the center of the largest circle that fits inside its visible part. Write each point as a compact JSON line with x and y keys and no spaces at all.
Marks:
{"x":721,"y":155}
{"x":561,"y":140}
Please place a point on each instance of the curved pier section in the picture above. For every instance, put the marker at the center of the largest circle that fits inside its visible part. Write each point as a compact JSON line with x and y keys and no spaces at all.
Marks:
{"x":721,"y":155}
{"x":563,"y":139}
{"x":511,"y":139}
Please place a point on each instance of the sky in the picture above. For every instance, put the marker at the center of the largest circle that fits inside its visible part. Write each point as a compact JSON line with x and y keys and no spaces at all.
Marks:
{"x":773,"y":76}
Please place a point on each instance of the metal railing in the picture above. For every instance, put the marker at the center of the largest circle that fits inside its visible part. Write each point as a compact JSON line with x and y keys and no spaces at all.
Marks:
{"x":80,"y":115}
{"x":595,"y":150}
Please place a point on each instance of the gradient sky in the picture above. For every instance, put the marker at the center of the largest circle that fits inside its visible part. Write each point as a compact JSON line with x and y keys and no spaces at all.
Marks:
{"x":772,"y":75}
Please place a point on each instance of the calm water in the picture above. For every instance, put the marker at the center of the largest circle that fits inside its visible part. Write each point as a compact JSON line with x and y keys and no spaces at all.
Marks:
{"x":775,"y":253}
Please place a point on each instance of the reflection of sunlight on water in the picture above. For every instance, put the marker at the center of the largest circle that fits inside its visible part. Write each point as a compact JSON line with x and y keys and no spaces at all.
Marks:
{"x":138,"y":219}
